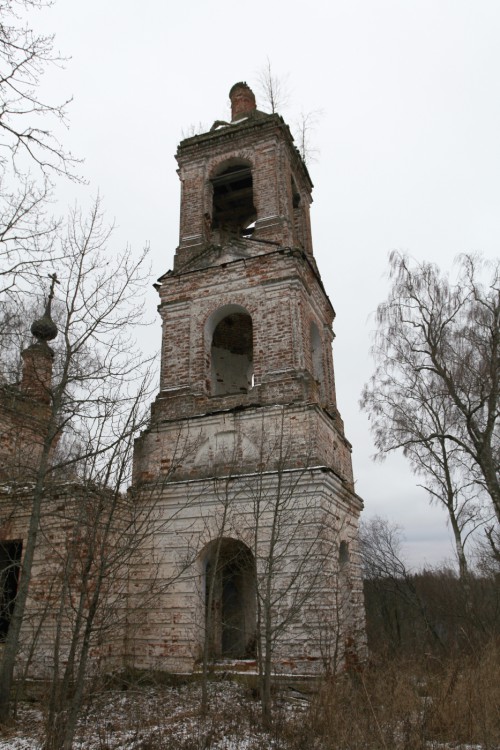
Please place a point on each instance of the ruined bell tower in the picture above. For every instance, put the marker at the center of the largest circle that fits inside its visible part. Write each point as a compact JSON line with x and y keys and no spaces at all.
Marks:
{"x":245,"y":467}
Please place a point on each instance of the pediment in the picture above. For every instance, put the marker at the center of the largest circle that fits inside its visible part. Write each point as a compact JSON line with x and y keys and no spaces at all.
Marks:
{"x":218,"y":255}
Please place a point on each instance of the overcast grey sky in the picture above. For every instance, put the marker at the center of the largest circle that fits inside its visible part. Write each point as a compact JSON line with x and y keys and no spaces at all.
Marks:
{"x":408,"y":141}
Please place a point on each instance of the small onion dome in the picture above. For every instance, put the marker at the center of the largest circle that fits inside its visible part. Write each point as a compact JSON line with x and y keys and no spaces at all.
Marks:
{"x":44,"y":328}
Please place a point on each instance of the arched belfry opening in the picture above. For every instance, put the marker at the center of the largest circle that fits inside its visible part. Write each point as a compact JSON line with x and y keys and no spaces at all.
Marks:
{"x":231,"y":351}
{"x":233,"y":208}
{"x":229,"y":592}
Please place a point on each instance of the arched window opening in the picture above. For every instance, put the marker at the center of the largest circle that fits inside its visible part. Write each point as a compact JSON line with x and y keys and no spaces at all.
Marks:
{"x":229,"y":573}
{"x":233,"y":207}
{"x":317,"y":356}
{"x":232,"y":355}
{"x":343,"y":556}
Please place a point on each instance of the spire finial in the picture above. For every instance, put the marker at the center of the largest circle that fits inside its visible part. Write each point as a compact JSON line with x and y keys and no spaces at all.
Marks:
{"x":54,"y":281}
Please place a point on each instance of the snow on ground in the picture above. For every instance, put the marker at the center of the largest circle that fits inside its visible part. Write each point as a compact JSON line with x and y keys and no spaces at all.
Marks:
{"x":158,"y":718}
{"x":168,"y":718}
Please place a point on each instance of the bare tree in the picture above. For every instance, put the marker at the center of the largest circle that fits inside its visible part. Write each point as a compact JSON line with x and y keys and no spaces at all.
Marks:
{"x":97,"y":369}
{"x":303,"y":132}
{"x":24,"y":56}
{"x":440,"y":462}
{"x":450,"y":483}
{"x":194,"y":129}
{"x":27,"y":231}
{"x":270,"y":557}
{"x":215,"y":564}
{"x":273,"y":89}
{"x":31,"y":154}
{"x":293,"y":541}
{"x":435,"y":391}
{"x":381,"y":552}
{"x":275,"y":95}
{"x":385,"y":568}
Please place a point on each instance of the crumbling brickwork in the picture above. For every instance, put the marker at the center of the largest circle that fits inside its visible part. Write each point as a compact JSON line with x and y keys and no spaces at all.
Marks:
{"x":281,"y":184}
{"x":245,"y":429}
{"x":243,"y":505}
{"x":24,"y":415}
{"x":61,"y":582}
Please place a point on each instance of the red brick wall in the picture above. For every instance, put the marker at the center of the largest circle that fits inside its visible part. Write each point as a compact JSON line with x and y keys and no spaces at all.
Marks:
{"x":266,"y":145}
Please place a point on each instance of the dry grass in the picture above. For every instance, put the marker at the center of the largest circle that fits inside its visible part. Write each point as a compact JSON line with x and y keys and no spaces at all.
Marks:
{"x":408,"y":706}
{"x":466,"y":700}
{"x":391,"y":705}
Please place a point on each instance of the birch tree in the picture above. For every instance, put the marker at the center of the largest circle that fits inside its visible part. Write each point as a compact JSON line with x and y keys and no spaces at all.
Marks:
{"x":435,"y":390}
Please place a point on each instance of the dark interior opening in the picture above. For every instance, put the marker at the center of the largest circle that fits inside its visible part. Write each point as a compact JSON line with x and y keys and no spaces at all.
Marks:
{"x":232,"y":615}
{"x":295,"y":195}
{"x":10,"y":562}
{"x":233,"y":207}
{"x":298,"y":216}
{"x":232,"y":355}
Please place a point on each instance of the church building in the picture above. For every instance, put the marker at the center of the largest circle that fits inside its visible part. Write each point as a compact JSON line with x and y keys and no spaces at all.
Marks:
{"x":243,"y":476}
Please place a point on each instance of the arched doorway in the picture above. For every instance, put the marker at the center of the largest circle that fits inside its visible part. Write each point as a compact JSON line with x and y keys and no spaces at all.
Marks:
{"x":229,"y":585}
